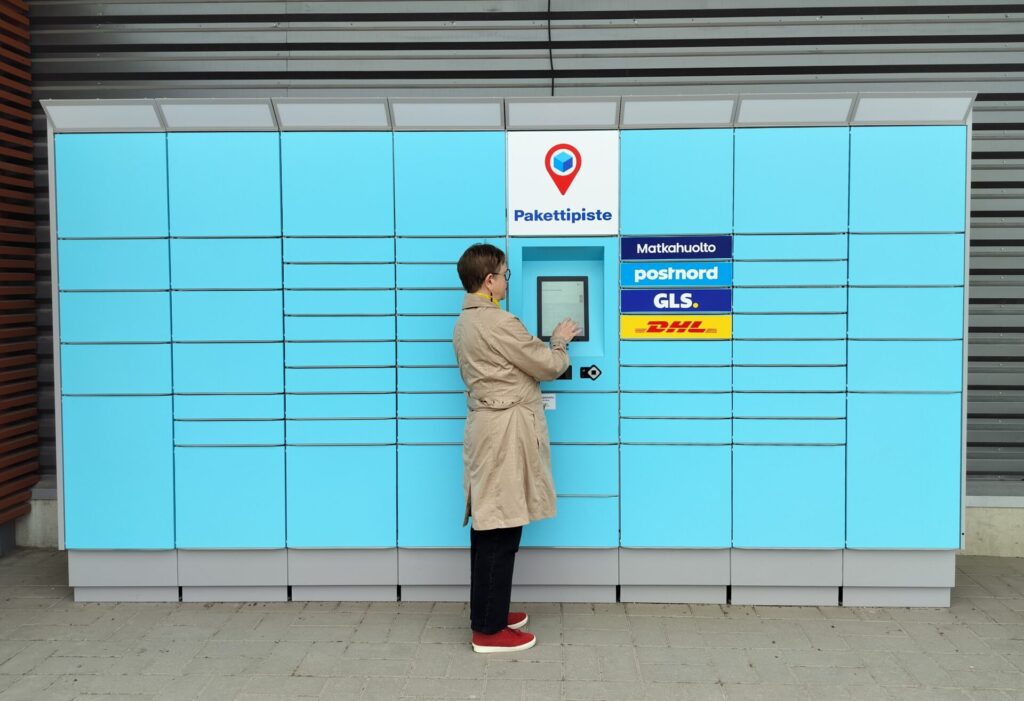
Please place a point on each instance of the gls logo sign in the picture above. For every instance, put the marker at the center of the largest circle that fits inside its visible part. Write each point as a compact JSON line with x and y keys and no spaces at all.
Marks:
{"x":676,"y":327}
{"x":668,"y":300}
{"x":648,"y":301}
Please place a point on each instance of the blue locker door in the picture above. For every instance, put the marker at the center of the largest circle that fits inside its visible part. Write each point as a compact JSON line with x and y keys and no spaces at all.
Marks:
{"x":228,"y":316}
{"x":337,"y":184}
{"x":113,"y":265}
{"x":228,"y":368}
{"x":908,"y":179}
{"x":341,"y":497}
{"x":111,"y":185}
{"x":431,"y":500}
{"x":118,"y":472}
{"x":115,"y":317}
{"x":662,"y":194}
{"x":904,"y":471}
{"x":582,"y":522}
{"x":792,"y":180}
{"x":116,"y":368}
{"x":224,"y":184}
{"x":230,"y":497}
{"x":226,"y":264}
{"x":676,"y":496}
{"x":450,"y":183}
{"x":788,"y":496}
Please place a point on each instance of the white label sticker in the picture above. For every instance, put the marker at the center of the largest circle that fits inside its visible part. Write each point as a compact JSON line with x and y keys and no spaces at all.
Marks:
{"x":549,"y":402}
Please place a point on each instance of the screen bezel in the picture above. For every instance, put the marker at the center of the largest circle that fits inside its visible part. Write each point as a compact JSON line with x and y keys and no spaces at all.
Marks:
{"x":586,"y":303}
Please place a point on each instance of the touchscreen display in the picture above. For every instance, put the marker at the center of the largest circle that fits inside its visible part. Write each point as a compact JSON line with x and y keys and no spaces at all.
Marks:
{"x":561,"y":297}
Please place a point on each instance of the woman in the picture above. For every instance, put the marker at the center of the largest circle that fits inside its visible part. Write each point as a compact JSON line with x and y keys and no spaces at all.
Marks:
{"x":507,"y":460}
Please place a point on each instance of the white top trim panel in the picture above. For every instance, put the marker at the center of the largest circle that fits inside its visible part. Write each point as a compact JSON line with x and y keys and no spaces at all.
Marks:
{"x":437,"y":115}
{"x":103,"y":115}
{"x":468,"y":114}
{"x":562,"y":113}
{"x":915,"y":109}
{"x":218,"y":115}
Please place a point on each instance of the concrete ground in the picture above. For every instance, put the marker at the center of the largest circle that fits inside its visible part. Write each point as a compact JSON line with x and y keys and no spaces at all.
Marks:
{"x":53,"y":649}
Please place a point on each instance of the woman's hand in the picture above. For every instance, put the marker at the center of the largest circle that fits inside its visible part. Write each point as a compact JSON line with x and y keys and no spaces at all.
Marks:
{"x":567,"y":329}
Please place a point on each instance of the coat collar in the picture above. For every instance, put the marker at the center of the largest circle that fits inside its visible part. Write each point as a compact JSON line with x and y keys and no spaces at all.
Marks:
{"x":472,"y":301}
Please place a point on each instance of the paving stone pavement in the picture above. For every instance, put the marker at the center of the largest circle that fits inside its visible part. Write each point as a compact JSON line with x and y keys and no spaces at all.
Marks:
{"x":52,"y":649}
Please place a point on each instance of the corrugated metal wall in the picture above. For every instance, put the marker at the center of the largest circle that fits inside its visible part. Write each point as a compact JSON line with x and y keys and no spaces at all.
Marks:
{"x":19,"y":427}
{"x":573,"y":47}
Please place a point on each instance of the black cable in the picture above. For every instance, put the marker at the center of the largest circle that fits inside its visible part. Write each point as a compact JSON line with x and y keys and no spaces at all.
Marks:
{"x":551,"y":52}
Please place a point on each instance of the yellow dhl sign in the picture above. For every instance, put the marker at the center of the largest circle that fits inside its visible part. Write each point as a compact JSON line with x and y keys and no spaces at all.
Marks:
{"x":676,"y":327}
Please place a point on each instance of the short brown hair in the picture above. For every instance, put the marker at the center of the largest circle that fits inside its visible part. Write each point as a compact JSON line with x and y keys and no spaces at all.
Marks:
{"x":477,"y":262}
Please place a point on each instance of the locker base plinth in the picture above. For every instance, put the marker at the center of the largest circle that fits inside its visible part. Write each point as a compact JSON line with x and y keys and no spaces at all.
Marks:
{"x":579,"y":567}
{"x":342,"y":569}
{"x":129,"y":594}
{"x":434,"y":567}
{"x":563,"y":594}
{"x":672,"y":594}
{"x":233,"y":594}
{"x":785,"y":596}
{"x":434,"y":592}
{"x":345,"y":593}
{"x":122,"y":570}
{"x":234,"y":569}
{"x":909,"y":597}
{"x":898,"y":577}
{"x":582,"y":575}
{"x":674,"y":575}
{"x":742,"y":576}
{"x":797,"y":568}
{"x":786,"y":577}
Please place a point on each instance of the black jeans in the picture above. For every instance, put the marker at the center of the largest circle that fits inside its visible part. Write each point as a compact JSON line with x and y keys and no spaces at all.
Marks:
{"x":492,"y":556}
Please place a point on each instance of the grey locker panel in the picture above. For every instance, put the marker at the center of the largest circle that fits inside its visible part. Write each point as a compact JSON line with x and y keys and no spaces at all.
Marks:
{"x":342,"y":567}
{"x":123,"y":568}
{"x":232,"y":568}
{"x":126,"y":594}
{"x":787,"y":577}
{"x":566,"y":566}
{"x":433,"y":567}
{"x":639,"y":566}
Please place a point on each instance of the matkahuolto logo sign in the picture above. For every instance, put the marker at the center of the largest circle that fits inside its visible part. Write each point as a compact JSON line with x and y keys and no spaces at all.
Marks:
{"x":563,"y":183}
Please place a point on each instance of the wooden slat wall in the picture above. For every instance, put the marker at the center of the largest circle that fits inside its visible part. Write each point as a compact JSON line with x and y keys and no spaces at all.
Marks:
{"x":145,"y":48}
{"x":19,"y":424}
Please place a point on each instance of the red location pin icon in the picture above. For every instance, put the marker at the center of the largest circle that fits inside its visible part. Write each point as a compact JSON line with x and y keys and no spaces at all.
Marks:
{"x":563,"y":163}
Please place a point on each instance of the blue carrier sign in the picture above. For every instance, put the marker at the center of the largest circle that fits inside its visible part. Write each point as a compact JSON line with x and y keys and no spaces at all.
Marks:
{"x":676,"y":300}
{"x":676,"y":247}
{"x":695,"y":274}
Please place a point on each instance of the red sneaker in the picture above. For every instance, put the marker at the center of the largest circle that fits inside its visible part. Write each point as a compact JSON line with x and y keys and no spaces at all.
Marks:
{"x":506,"y":640}
{"x":517,"y":620}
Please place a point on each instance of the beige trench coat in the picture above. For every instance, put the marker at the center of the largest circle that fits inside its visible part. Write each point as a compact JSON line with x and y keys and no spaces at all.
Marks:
{"x":506,"y":456}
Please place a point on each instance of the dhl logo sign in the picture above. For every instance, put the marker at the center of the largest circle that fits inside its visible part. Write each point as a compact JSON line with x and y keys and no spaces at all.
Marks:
{"x":676,"y":327}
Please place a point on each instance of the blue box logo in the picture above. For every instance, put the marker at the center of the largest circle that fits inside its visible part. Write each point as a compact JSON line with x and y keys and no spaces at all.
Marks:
{"x":562,"y":162}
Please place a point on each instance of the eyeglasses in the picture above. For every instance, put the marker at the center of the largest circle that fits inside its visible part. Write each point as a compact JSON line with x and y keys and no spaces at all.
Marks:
{"x":508,"y":274}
